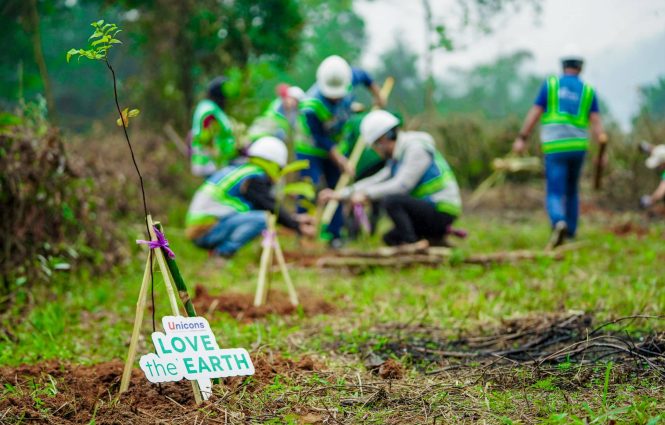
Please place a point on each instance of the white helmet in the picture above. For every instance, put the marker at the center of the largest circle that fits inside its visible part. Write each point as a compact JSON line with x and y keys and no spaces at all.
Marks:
{"x":376,"y":124}
{"x":657,"y":157}
{"x":296,"y":93}
{"x":334,"y":77}
{"x":269,"y":148}
{"x":572,"y":53}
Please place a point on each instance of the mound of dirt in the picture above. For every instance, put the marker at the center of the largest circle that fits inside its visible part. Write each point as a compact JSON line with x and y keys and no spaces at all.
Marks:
{"x":241,"y":306}
{"x":61,"y":393}
{"x":629,"y":228}
{"x":391,"y":369}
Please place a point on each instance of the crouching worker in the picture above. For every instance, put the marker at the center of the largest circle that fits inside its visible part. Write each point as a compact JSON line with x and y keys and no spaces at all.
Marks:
{"x":656,"y":161}
{"x":229,"y":209}
{"x":417,"y":187}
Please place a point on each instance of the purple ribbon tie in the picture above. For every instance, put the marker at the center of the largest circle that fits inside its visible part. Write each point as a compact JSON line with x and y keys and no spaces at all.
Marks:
{"x":161,"y":242}
{"x":361,"y":217}
{"x":268,"y":238}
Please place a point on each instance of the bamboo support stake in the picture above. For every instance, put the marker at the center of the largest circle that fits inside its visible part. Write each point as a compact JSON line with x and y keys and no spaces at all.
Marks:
{"x":168,"y":283}
{"x":179,"y":282}
{"x":343,"y":182}
{"x":179,"y":143}
{"x":272,"y":228}
{"x":266,"y":261}
{"x":293,"y":295}
{"x":138,"y":319}
{"x":165,"y":271}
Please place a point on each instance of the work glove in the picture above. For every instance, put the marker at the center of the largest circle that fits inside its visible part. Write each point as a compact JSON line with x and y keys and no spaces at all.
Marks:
{"x":645,"y":202}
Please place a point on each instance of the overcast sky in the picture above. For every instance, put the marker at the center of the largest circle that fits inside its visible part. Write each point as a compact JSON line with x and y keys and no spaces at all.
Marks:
{"x":623,"y":40}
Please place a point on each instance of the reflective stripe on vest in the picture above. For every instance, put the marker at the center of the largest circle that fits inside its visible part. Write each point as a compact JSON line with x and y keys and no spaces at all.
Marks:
{"x":561,"y":131}
{"x":222,"y":191}
{"x":221,"y":138}
{"x":306,"y":146}
{"x":436,"y":179}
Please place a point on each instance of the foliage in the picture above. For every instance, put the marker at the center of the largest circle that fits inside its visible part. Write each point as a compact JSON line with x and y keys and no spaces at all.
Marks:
{"x":100,"y":42}
{"x":51,"y":220}
{"x":653,"y":99}
{"x":298,"y":188}
{"x":400,"y":62}
{"x":498,"y":89}
{"x":331,"y":28}
{"x":185,"y":43}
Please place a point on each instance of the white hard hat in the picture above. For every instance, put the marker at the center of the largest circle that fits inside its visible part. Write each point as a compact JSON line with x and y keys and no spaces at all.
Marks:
{"x":269,"y":148}
{"x":376,"y":124}
{"x":334,"y":77}
{"x":295,"y":92}
{"x":572,"y":53}
{"x":657,"y":157}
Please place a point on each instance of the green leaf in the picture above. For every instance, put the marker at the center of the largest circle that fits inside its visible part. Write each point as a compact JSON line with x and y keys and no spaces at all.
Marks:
{"x":95,"y":35}
{"x":133,"y":112}
{"x":70,"y":53}
{"x":294,"y":166}
{"x":98,"y":23}
{"x":115,"y":41}
{"x":305,"y":189}
{"x":104,"y":39}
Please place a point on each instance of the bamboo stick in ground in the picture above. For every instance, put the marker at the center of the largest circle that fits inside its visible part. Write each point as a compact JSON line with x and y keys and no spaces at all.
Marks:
{"x":168,"y":283}
{"x":179,"y":281}
{"x":272,"y":228}
{"x":165,"y":271}
{"x":293,"y":295}
{"x":266,"y":262}
{"x":179,"y":143}
{"x":138,"y":319}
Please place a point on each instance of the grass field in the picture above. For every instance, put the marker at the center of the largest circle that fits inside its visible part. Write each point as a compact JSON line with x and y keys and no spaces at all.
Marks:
{"x":324,"y":368}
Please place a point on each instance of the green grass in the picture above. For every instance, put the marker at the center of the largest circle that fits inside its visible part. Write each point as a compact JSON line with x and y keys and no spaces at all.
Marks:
{"x":88,"y":320}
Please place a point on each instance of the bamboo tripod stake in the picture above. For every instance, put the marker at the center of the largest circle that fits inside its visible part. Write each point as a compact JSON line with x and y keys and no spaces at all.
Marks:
{"x":140,"y":311}
{"x":271,"y":247}
{"x":357,"y":151}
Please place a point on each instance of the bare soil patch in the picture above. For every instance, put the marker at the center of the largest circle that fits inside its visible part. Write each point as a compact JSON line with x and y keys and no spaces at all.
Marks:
{"x":241,"y":306}
{"x":63,"y":393}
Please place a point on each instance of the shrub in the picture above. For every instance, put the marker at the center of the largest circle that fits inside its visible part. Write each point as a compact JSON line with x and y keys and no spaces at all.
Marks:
{"x":51,"y":217}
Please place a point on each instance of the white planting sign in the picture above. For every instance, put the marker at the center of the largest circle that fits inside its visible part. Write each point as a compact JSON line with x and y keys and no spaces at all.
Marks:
{"x":189,"y":350}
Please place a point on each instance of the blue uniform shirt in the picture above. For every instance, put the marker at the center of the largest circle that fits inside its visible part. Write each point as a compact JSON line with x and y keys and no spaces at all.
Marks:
{"x":570,"y":93}
{"x":324,"y":134}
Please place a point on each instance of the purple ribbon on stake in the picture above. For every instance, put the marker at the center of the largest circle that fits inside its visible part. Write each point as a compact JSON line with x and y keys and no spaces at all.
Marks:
{"x":361,"y":217}
{"x":268,"y":238}
{"x":161,"y":242}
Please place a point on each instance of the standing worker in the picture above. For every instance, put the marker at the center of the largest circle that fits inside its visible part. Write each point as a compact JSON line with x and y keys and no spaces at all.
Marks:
{"x":280,"y":119}
{"x":417,"y":187}
{"x":324,"y":112}
{"x":566,"y":106}
{"x":213,"y":142}
{"x":656,"y":161}
{"x":229,"y":209}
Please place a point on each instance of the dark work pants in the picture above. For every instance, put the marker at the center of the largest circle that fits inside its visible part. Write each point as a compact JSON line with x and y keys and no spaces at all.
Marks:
{"x":414,"y":219}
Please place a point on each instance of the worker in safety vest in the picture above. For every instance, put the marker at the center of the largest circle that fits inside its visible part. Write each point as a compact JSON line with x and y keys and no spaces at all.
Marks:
{"x":656,"y":161}
{"x":324,"y":112}
{"x":417,"y":186}
{"x":280,"y":119}
{"x":369,"y":163}
{"x":229,"y":209}
{"x":213,"y":143}
{"x":566,"y":107}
